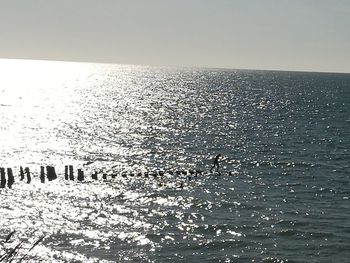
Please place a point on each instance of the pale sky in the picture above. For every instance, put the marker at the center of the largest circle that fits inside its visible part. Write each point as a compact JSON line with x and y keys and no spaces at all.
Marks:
{"x":310,"y":35}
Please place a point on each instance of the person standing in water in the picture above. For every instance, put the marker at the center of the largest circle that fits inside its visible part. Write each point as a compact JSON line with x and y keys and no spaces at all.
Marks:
{"x":216,"y":163}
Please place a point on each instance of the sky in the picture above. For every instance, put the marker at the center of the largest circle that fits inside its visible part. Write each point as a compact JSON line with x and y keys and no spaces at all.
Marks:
{"x":302,"y":35}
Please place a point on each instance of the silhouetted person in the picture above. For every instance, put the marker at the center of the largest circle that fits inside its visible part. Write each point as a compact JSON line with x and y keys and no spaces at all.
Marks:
{"x":216,"y":163}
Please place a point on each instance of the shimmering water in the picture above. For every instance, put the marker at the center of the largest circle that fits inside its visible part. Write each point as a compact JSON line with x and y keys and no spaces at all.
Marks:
{"x":284,"y":191}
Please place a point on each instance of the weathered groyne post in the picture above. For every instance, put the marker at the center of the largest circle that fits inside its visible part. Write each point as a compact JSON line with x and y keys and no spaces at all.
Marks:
{"x":21,"y":173}
{"x":2,"y":178}
{"x":66,"y":172}
{"x":71,"y":173}
{"x":42,"y":174}
{"x":29,"y":179}
{"x":94,"y":176}
{"x":51,"y":173}
{"x":80,"y":175}
{"x":104,"y":176}
{"x":48,"y":172}
{"x":10,"y":178}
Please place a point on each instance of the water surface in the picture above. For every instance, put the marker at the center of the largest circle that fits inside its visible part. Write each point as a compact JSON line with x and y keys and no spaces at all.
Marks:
{"x":284,"y":191}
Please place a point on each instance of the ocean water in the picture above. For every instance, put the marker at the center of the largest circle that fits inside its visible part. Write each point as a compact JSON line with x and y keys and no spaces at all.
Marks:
{"x":282,"y":196}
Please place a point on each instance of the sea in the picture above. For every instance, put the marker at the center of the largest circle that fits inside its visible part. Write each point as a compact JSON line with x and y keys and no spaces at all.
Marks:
{"x":151,"y":134}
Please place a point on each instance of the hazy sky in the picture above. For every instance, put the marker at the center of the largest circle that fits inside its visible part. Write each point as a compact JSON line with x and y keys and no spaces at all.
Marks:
{"x":311,"y":35}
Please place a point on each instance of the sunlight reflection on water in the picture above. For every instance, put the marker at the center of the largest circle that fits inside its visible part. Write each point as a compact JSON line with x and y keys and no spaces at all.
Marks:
{"x":128,"y":120}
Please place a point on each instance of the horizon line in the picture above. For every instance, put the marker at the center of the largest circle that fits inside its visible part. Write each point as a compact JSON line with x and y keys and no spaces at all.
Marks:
{"x":175,"y":66}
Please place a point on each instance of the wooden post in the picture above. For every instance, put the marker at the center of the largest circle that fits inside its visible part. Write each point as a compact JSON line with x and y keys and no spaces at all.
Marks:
{"x":42,"y":174}
{"x":66,"y":172}
{"x":53,"y":173}
{"x":80,"y":175}
{"x":29,"y":179}
{"x":71,"y":173}
{"x":2,"y":178}
{"x":48,"y":172}
{"x":94,"y":176}
{"x":21,"y":173}
{"x":10,"y":178}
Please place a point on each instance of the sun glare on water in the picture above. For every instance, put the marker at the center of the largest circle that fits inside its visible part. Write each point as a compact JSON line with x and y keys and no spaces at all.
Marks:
{"x":35,"y":97}
{"x":22,"y":77}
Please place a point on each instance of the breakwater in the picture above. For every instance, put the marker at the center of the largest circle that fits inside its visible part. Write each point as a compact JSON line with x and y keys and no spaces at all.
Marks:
{"x":48,"y":173}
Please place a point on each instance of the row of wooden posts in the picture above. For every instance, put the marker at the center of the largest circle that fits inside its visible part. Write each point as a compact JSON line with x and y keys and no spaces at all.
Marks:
{"x":10,"y":178}
{"x":49,"y":175}
{"x":69,"y":174}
